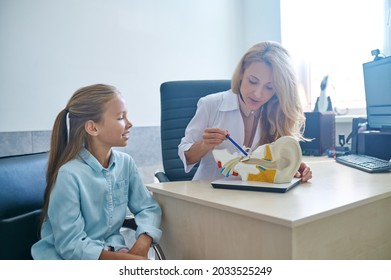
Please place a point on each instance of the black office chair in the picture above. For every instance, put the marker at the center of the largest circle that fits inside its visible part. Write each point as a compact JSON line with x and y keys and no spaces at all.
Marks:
{"x":22,"y":184}
{"x":178,"y":106}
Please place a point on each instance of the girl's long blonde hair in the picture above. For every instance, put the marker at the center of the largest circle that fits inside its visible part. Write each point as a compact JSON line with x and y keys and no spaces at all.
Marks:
{"x":87,"y":103}
{"x":283,"y":114}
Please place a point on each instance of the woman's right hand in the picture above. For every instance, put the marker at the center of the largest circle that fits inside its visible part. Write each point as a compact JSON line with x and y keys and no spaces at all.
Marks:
{"x":210,"y":139}
{"x":213,"y":137}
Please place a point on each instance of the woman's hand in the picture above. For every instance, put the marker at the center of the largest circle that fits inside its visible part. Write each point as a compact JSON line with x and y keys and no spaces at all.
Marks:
{"x":210,"y":139}
{"x":213,"y":137}
{"x":304,"y":172}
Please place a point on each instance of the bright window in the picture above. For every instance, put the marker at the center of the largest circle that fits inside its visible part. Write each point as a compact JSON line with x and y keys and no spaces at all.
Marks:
{"x":334,"y":38}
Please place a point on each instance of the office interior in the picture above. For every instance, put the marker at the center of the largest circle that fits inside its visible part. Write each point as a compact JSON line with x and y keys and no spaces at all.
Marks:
{"x":51,"y":48}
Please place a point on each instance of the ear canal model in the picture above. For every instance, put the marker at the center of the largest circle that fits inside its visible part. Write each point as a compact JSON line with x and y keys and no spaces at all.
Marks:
{"x":274,"y":163}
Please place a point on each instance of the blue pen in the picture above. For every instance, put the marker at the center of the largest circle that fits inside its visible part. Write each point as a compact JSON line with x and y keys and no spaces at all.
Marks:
{"x":236,"y":145}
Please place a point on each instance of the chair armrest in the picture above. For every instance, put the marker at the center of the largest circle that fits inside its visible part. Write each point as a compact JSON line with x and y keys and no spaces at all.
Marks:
{"x":162,"y":177}
{"x":130,"y":223}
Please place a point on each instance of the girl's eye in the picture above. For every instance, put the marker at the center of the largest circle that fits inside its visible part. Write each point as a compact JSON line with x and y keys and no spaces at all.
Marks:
{"x":253,"y":81}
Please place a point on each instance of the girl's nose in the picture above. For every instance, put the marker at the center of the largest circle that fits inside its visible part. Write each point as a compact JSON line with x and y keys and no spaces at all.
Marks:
{"x":129,"y":124}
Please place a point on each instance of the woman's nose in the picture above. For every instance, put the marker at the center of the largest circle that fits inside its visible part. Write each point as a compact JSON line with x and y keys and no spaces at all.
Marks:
{"x":259,"y":91}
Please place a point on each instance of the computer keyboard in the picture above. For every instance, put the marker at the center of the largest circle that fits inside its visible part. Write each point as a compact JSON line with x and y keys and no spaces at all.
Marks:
{"x":365,"y":163}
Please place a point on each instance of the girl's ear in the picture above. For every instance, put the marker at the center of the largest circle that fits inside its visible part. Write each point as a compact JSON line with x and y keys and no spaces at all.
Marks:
{"x":90,"y":128}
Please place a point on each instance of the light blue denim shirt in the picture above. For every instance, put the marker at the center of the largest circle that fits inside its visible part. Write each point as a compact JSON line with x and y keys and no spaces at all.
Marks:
{"x":88,"y":205}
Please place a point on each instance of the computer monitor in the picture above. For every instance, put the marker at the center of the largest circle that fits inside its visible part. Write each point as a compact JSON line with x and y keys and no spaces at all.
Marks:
{"x":377,"y":81}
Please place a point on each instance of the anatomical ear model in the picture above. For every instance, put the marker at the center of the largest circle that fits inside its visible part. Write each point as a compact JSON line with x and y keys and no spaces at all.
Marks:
{"x":274,"y":163}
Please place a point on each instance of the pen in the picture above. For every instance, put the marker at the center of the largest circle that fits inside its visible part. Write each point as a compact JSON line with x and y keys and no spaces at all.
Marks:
{"x":236,"y":145}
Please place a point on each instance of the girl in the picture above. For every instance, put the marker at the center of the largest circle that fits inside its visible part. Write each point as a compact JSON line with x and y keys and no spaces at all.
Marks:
{"x":90,"y":185}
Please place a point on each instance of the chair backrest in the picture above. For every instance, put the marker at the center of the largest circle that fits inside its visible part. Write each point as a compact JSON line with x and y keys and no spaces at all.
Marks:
{"x":22,"y":187}
{"x":178,"y":101}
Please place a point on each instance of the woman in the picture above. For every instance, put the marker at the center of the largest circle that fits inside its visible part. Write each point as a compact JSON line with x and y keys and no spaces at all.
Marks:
{"x":262,"y":105}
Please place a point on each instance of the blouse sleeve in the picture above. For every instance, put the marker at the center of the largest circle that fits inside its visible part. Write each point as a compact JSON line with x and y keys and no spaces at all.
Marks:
{"x":144,"y":207}
{"x":194,"y":131}
{"x":67,"y":222}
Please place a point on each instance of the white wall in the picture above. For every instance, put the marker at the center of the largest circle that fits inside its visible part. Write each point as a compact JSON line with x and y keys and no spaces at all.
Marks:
{"x":50,"y":48}
{"x":261,"y":21}
{"x":387,"y":29}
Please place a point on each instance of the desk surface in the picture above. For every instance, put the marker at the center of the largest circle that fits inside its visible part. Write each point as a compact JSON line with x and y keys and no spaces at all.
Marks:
{"x":334,"y":188}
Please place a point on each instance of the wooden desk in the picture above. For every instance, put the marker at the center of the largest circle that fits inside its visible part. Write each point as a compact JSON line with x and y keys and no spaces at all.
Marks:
{"x":342,"y":213}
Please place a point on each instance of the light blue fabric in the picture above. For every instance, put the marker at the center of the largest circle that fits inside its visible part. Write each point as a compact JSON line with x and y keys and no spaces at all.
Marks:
{"x":88,"y":206}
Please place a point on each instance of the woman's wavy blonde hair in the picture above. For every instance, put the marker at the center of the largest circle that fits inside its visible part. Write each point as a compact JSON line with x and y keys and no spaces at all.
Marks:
{"x":283,"y":114}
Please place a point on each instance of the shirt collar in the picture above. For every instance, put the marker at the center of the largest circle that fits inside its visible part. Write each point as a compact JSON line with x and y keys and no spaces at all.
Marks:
{"x":89,"y":159}
{"x":229,"y":102}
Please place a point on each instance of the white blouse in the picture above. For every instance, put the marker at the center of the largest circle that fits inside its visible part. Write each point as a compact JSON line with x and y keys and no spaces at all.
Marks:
{"x":219,"y":110}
